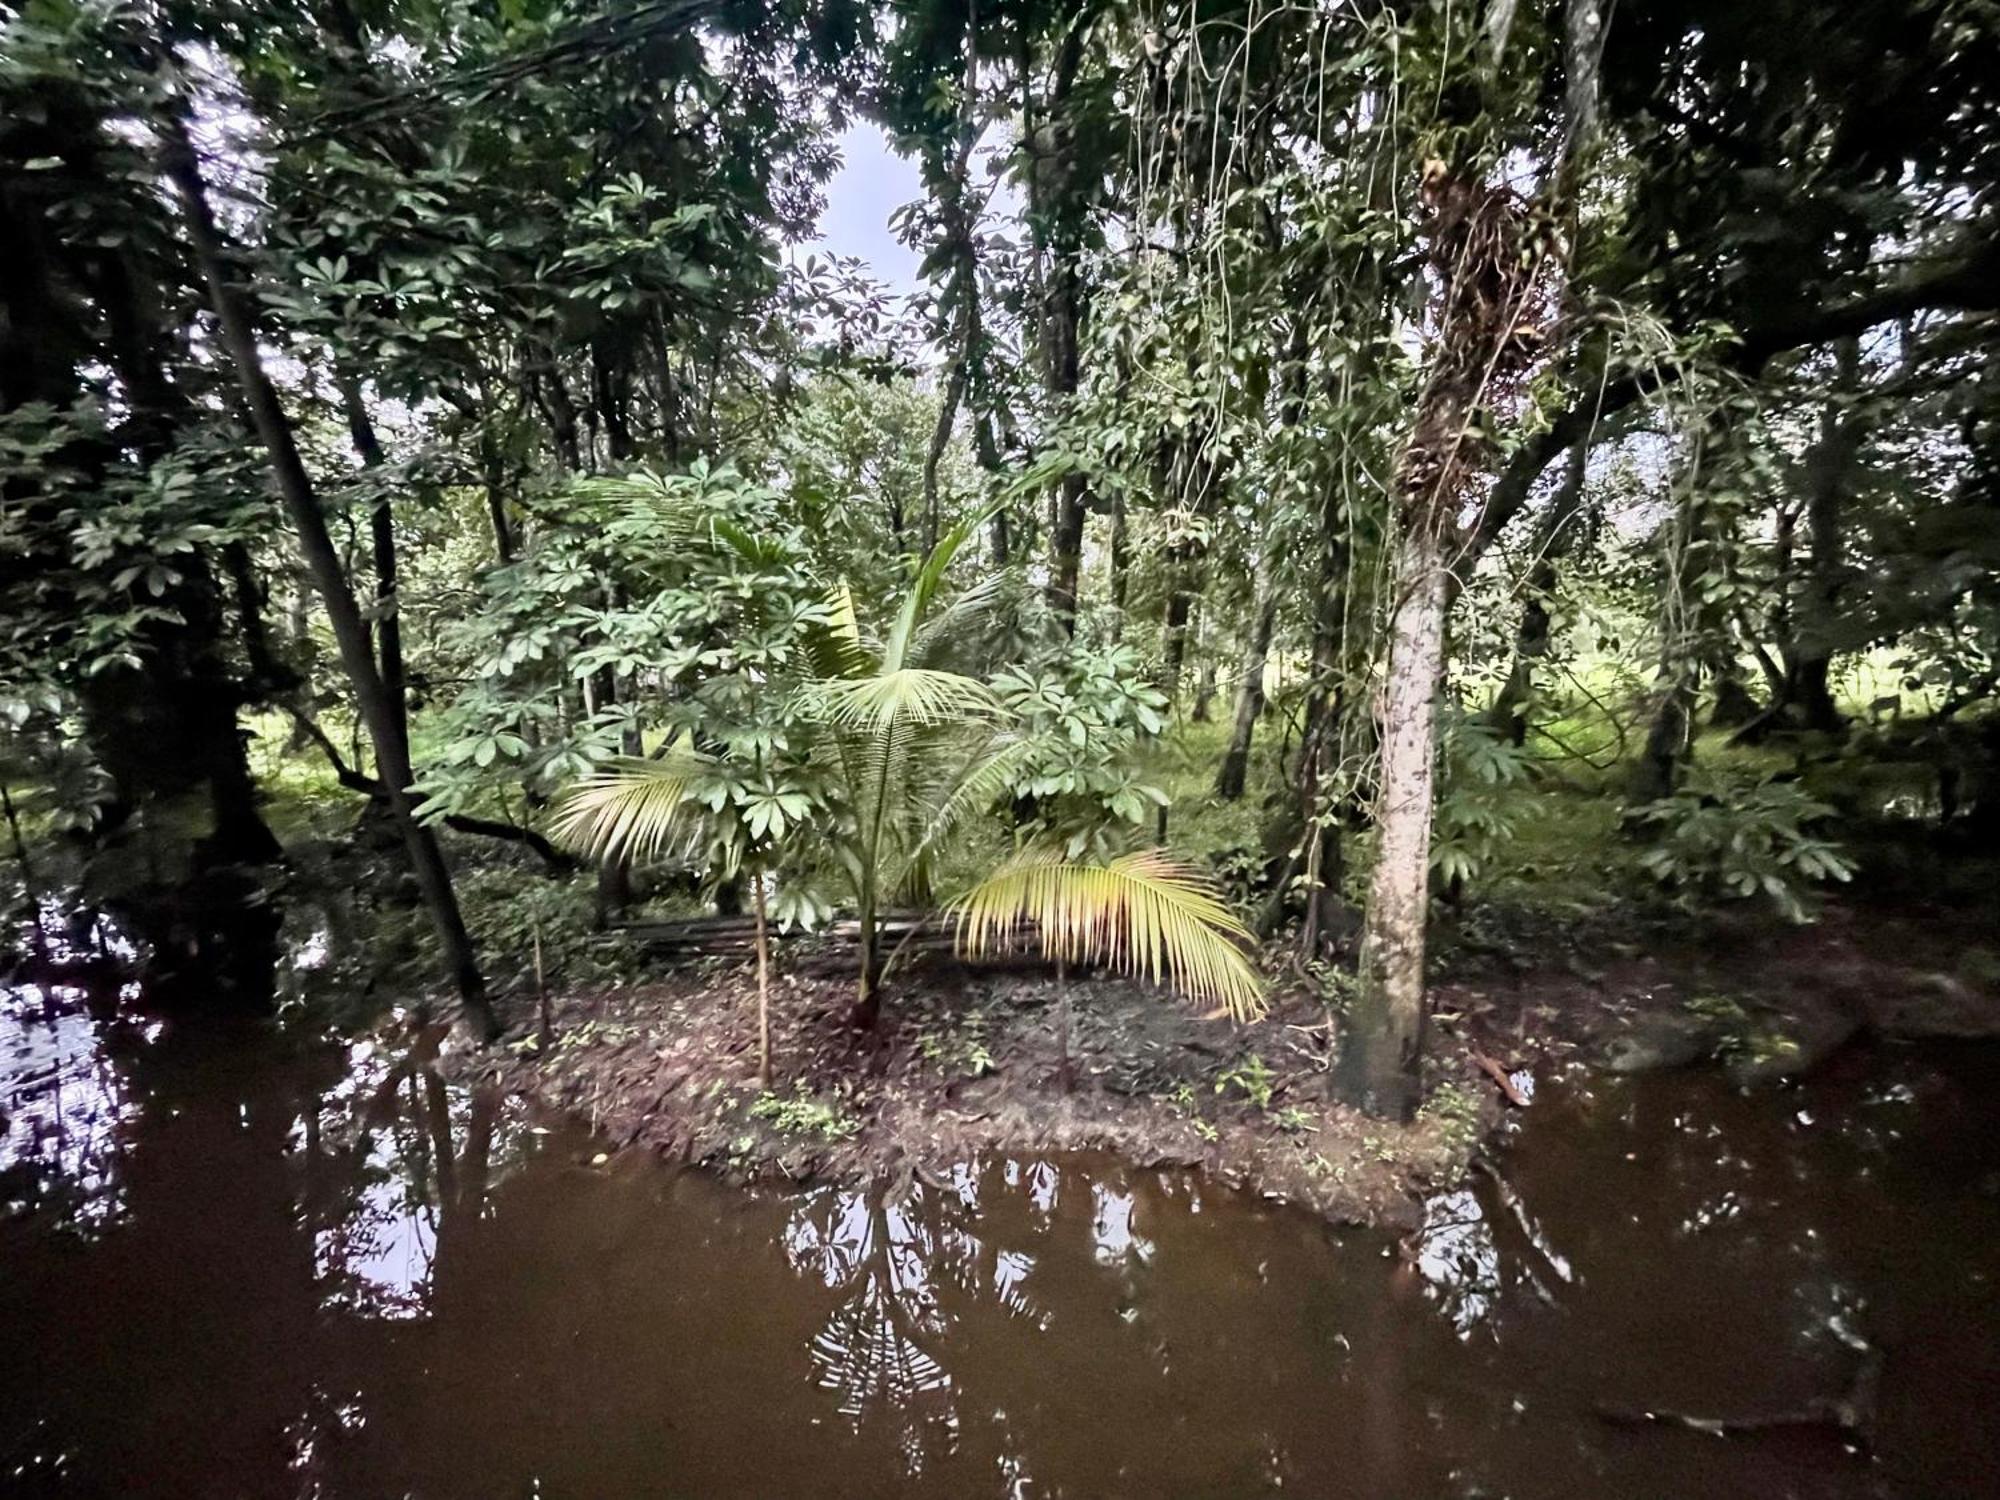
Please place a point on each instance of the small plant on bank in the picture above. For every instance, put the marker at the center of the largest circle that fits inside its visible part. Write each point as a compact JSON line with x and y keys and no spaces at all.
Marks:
{"x":1251,"y":1077}
{"x":1458,"y":1116}
{"x":1295,"y":1121}
{"x":958,"y":1048}
{"x":807,"y":1115}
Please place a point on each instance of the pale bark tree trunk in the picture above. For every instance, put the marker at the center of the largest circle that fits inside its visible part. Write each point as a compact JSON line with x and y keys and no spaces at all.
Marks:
{"x":323,"y":563}
{"x":1481,"y":290}
{"x":1382,"y":1045}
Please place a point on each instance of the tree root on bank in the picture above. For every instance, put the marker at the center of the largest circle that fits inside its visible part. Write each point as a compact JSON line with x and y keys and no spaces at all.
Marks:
{"x":1850,"y":1415}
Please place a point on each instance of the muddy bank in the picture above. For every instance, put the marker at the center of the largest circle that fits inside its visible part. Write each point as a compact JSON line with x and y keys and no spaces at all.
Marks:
{"x":965,"y":1064}
{"x":1768,"y":1003}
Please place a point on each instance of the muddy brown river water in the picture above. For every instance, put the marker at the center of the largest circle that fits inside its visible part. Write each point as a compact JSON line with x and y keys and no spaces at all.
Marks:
{"x":233,"y":1264}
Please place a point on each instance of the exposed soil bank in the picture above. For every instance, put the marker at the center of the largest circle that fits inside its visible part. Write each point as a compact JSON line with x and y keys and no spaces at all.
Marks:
{"x":965,"y":1064}
{"x":962,"y":1065}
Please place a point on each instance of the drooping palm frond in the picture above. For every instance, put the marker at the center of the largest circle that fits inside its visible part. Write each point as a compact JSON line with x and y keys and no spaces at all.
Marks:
{"x":1146,"y":914}
{"x":913,"y":695}
{"x":631,"y":808}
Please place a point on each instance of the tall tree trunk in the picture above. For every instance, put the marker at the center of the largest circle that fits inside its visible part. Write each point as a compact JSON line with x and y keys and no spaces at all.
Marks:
{"x":1481,"y":284}
{"x":1381,"y":1047}
{"x":1235,"y":771}
{"x":1829,"y":467}
{"x":382,"y":537}
{"x":1553,"y":540}
{"x":323,"y":564}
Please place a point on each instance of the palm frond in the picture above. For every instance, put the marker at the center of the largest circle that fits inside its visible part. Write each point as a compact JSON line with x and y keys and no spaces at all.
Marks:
{"x":924,"y":587}
{"x":949,"y":626}
{"x":1146,"y":914}
{"x":630,"y":808}
{"x":979,"y":782}
{"x":913,"y":695}
{"x":835,"y":649}
{"x":647,"y":499}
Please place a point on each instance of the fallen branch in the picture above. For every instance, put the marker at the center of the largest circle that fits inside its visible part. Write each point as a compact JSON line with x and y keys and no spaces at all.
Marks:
{"x":1851,"y":1414}
{"x":1500,"y":1077}
{"x":556,"y":861}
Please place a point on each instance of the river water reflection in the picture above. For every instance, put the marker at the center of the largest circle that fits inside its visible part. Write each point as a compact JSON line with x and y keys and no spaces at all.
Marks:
{"x":232,"y":1264}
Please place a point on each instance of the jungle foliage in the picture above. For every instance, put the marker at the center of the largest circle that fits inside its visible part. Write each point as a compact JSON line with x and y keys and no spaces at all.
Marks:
{"x":1466,"y":410}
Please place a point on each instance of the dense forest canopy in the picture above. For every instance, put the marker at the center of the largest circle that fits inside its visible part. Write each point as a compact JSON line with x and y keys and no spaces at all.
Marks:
{"x":431,"y":403}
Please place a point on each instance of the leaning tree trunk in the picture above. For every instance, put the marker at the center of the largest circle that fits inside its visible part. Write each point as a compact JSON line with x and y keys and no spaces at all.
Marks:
{"x":323,"y":563}
{"x":1382,"y":1046}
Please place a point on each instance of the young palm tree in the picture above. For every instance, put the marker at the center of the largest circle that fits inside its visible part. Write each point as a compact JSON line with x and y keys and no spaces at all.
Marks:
{"x":914,"y":748}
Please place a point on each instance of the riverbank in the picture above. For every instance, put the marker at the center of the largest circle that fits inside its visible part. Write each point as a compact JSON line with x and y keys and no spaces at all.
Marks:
{"x":965,"y":1063}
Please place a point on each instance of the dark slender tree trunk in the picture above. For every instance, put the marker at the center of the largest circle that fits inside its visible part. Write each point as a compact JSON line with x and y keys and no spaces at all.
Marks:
{"x":1829,"y":466}
{"x":323,"y":564}
{"x":561,"y":413}
{"x":1657,"y":771}
{"x":1054,"y":200}
{"x":1553,"y":540}
{"x":947,"y":416}
{"x":609,"y":397}
{"x":382,"y":539}
{"x":1235,"y":771}
{"x":1204,"y":691}
{"x":1735,"y":704}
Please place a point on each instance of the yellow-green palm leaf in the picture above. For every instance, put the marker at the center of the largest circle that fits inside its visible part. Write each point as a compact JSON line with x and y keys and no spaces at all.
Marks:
{"x":875,"y":705}
{"x":1146,"y":914}
{"x":631,"y":808}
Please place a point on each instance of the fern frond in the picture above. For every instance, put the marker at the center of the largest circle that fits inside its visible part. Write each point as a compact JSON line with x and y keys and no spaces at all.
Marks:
{"x":1146,"y":914}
